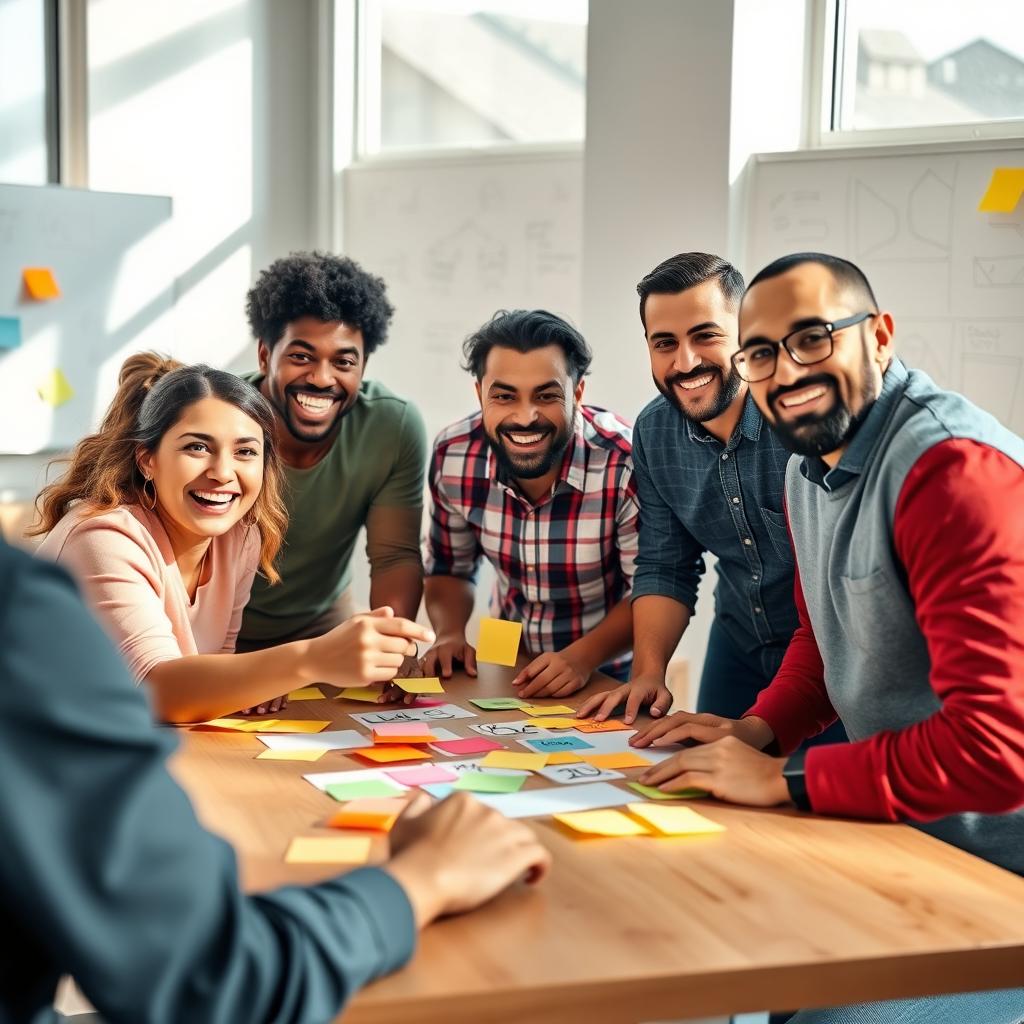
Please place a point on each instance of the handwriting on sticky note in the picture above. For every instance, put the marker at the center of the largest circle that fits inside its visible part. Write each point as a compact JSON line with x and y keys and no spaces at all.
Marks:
{"x":328,"y":850}
{"x":488,"y":782}
{"x":547,"y":744}
{"x":430,"y":684}
{"x":603,"y":823}
{"x":498,"y":643}
{"x":610,"y":726}
{"x":1004,"y":190}
{"x":40,"y":283}
{"x":496,"y":703}
{"x":571,"y":774}
{"x":675,"y":821}
{"x":55,"y":389}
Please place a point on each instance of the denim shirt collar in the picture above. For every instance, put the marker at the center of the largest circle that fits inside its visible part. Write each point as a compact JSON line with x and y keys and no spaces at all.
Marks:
{"x":749,"y":427}
{"x":855,"y":458}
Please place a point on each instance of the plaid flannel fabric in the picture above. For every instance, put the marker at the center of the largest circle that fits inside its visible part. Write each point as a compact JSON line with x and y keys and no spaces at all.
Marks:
{"x":563,"y":564}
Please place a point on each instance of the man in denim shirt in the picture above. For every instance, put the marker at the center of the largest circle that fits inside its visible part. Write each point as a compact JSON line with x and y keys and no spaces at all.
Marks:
{"x":710,"y":476}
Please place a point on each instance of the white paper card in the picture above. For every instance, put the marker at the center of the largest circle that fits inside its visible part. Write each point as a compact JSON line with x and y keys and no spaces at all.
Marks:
{"x":324,"y":779}
{"x":441,"y":713}
{"x":530,"y":803}
{"x":504,"y":730}
{"x":340,"y":739}
{"x":573,"y":773}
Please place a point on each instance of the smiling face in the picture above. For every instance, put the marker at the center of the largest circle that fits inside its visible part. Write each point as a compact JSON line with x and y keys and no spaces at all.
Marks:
{"x":312,"y":376}
{"x":528,"y":401}
{"x":207,"y":470}
{"x":690,"y":337}
{"x":816,"y":409}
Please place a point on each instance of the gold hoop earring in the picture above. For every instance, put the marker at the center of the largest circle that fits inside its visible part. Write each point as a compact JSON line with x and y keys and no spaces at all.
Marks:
{"x":146,"y":494}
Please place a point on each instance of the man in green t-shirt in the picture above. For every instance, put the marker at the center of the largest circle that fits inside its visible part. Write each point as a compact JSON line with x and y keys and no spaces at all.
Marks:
{"x":354,"y":452}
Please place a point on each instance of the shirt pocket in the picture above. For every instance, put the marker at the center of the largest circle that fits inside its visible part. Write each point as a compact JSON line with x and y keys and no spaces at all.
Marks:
{"x":866,"y":614}
{"x":778,"y":534}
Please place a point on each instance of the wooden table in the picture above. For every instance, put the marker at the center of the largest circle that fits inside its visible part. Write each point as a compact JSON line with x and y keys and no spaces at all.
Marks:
{"x":782,"y":910}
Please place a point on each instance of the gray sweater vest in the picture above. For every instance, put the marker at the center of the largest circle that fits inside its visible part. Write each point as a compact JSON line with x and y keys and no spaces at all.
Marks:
{"x":876,"y":660}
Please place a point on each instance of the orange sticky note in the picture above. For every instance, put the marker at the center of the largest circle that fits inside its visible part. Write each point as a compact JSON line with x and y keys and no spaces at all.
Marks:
{"x":513,"y":759}
{"x":1004,"y":190}
{"x":387,"y":753}
{"x":307,"y":693}
{"x":431,"y":684}
{"x":498,"y":643}
{"x":603,"y":823}
{"x":610,"y":726}
{"x":40,"y":283}
{"x":379,"y":814}
{"x":673,"y":820}
{"x":328,"y":850}
{"x":296,"y":725}
{"x":621,"y":760}
{"x":55,"y":389}
{"x":291,"y":755}
{"x":564,"y":757}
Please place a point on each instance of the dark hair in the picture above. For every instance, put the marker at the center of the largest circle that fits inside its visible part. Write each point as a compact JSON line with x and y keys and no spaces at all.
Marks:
{"x":848,"y":276}
{"x":685,"y":271}
{"x":152,"y":394}
{"x":320,"y":285}
{"x":525,"y":330}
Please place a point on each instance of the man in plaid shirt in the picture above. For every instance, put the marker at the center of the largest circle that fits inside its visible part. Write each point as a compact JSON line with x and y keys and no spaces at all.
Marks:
{"x":542,"y":486}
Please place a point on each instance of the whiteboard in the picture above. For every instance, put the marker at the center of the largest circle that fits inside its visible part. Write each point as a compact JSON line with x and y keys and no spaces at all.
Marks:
{"x":455,"y":240}
{"x":109,"y":253}
{"x":952,"y":277}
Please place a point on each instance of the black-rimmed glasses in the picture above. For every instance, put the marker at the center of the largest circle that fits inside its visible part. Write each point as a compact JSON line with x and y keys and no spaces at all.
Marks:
{"x":806,"y":346}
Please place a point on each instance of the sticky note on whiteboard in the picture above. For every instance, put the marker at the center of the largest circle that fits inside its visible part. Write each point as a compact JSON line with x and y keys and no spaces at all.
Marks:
{"x":55,"y":389}
{"x":1004,"y":190}
{"x":40,"y":283}
{"x":10,"y":332}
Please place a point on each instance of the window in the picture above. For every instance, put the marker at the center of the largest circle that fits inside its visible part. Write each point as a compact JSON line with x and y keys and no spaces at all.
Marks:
{"x":458,"y":73}
{"x":924,"y":64}
{"x":27,"y":150}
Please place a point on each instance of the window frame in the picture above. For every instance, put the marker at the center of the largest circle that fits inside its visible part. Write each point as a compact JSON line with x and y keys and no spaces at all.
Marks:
{"x":826,"y":44}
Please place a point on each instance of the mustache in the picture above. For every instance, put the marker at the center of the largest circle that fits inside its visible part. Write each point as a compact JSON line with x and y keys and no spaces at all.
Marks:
{"x":825,"y":379}
{"x":700,"y":371}
{"x":535,"y":429}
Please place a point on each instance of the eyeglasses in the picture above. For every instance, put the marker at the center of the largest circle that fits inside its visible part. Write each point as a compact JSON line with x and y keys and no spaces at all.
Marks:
{"x":806,"y":346}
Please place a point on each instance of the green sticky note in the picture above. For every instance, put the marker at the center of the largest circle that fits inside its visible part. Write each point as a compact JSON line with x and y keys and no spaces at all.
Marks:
{"x":497,"y":703}
{"x":358,"y":790}
{"x":482,"y":782}
{"x":652,"y":793}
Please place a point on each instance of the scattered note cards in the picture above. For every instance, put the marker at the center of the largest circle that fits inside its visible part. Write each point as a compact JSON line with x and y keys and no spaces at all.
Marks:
{"x":498,"y":643}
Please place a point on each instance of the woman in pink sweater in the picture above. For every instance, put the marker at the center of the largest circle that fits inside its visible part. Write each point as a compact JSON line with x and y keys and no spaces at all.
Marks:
{"x":165,"y":515}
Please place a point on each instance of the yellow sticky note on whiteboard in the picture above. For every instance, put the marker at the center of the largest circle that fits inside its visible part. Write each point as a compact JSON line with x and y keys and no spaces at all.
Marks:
{"x":55,"y":389}
{"x":1004,"y":190}
{"x":499,"y":642}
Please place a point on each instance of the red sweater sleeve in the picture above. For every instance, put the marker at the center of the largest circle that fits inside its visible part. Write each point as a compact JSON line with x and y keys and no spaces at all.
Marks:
{"x":959,"y":534}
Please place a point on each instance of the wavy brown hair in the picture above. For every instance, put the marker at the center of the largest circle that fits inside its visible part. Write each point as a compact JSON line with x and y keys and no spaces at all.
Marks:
{"x":152,"y":394}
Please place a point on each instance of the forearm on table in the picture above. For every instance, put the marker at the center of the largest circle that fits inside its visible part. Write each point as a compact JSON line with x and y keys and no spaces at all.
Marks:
{"x":449,"y":602}
{"x":658,"y":624}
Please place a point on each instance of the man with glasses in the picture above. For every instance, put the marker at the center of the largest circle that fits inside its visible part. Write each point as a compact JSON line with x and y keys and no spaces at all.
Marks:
{"x":905,"y":513}
{"x":710,"y":477}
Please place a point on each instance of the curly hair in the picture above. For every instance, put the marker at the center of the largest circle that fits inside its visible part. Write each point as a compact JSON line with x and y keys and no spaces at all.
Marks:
{"x":320,"y":285}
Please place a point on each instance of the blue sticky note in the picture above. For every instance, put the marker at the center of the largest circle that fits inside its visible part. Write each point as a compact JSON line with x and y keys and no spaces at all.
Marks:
{"x":560,"y":743}
{"x":10,"y":332}
{"x":438,"y":790}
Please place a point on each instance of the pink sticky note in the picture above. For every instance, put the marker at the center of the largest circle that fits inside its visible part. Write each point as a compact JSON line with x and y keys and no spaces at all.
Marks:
{"x":428,"y":702}
{"x":472,"y":745}
{"x":421,"y":775}
{"x":402,"y":729}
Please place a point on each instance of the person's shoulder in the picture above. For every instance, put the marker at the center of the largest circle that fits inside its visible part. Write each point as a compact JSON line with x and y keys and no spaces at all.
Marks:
{"x":82,"y":526}
{"x":657,"y":412}
{"x":461,"y":437}
{"x":21,"y":572}
{"x":606,"y":430}
{"x":386,"y":413}
{"x":381,"y":400}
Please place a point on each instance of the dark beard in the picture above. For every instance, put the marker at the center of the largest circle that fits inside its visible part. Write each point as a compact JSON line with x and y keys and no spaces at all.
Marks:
{"x":299,"y":433}
{"x":829,"y":431}
{"x":531,"y":468}
{"x":728,"y":389}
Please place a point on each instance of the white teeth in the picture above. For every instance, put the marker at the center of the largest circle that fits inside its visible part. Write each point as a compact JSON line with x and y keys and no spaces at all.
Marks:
{"x":314,"y":404}
{"x":526,"y":438}
{"x":803,"y":398}
{"x":220,"y":499}
{"x":699,"y":382}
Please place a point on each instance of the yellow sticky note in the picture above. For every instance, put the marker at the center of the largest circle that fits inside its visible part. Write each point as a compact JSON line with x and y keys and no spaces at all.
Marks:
{"x":622,"y":760}
{"x":307,"y":693}
{"x":291,"y":755}
{"x":367,"y":693}
{"x":498,"y":643}
{"x":234,"y":725}
{"x":298,"y":725}
{"x":558,"y":723}
{"x":564,"y":757}
{"x":603,"y":823}
{"x":672,"y":820}
{"x":55,"y":389}
{"x":328,"y":850}
{"x":429,"y":685}
{"x":40,"y":283}
{"x":513,"y":759}
{"x":1004,"y":190}
{"x":535,"y":711}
